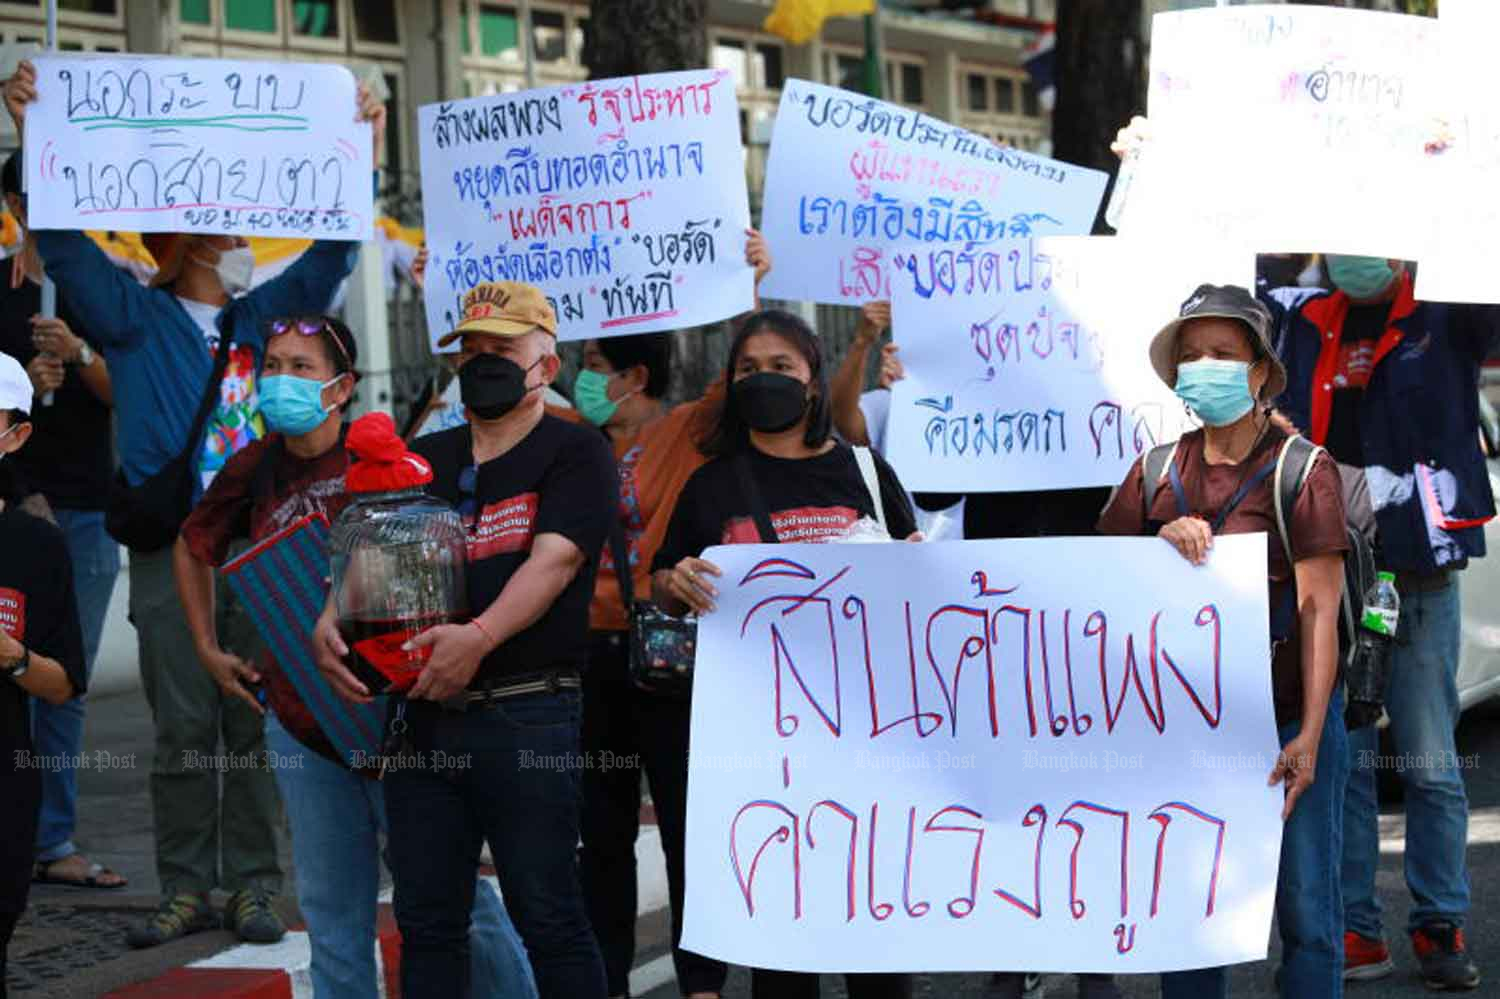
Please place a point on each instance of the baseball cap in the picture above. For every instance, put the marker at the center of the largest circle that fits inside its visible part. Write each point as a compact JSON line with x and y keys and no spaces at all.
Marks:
{"x":503,"y":308}
{"x":15,"y":385}
{"x":1227,"y":301}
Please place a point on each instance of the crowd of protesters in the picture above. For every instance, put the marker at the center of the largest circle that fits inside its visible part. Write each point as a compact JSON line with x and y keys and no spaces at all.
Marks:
{"x":236,"y":398}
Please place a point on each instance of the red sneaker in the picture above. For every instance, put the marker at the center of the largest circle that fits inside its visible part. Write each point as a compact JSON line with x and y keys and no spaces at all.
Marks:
{"x":1365,"y":959}
{"x":1444,"y":958}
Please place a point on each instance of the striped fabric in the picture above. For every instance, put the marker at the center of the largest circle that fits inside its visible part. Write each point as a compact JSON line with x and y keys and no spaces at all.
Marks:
{"x":282,"y":584}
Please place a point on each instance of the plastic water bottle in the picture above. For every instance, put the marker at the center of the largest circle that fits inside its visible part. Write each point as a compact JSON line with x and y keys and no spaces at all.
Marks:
{"x":1124,"y":177}
{"x":1367,"y":671}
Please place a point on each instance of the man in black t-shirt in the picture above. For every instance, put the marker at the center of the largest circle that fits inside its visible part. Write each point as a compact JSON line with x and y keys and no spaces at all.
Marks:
{"x":69,"y":461}
{"x":493,"y":746}
{"x":41,"y":654}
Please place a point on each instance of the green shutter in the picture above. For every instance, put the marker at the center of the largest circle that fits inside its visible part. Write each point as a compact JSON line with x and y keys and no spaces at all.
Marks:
{"x":250,"y":15}
{"x":196,"y":11}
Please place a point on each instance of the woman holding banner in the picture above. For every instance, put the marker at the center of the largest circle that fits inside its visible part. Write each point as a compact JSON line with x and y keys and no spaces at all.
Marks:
{"x":778,"y":474}
{"x":1217,"y":356}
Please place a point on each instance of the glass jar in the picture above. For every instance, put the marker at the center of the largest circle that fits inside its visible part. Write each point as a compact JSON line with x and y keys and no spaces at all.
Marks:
{"x":398,"y":569}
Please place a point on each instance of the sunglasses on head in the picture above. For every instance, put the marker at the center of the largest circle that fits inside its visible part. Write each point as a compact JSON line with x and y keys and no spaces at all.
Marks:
{"x":312,"y":326}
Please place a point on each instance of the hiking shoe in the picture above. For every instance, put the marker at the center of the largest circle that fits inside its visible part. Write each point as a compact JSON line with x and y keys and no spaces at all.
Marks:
{"x":1365,"y":959}
{"x":177,"y":916}
{"x":249,"y":914}
{"x":1444,"y":959}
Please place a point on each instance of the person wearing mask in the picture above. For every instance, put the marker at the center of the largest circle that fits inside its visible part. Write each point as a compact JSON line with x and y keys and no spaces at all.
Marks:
{"x":1217,"y":356}
{"x":69,"y":460}
{"x":621,"y":390}
{"x":537,"y":495}
{"x":161,"y":344}
{"x":774,"y":457}
{"x":41,"y":650}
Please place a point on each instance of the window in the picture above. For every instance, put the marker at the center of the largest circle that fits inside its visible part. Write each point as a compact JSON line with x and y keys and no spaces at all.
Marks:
{"x":498,"y":34}
{"x":315,"y":18}
{"x":979,"y":92}
{"x":1005,"y":95}
{"x":375,"y":21}
{"x":729,"y":55}
{"x":549,"y":37}
{"x":393,"y":119}
{"x":580,"y":32}
{"x":89,"y":6}
{"x":768,"y":66}
{"x":1031,"y":106}
{"x":196,"y":11}
{"x":250,"y":15}
{"x":850,"y":72}
{"x":911,"y":83}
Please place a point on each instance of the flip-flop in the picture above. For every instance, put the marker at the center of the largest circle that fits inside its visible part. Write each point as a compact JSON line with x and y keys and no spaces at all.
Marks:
{"x":40,"y":875}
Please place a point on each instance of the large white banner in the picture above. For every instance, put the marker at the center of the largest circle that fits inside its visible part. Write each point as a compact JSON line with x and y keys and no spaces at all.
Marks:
{"x":1037,"y":376}
{"x":623,"y":200}
{"x":1289,"y":128}
{"x":851,"y":178}
{"x":149,"y":144}
{"x":968,"y":756}
{"x":1460,"y":265}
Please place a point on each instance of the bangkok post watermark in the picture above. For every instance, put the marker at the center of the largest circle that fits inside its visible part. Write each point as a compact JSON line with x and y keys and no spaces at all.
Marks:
{"x":1370,"y":759}
{"x":264,"y":759}
{"x":1070,"y":761}
{"x":56,"y":762}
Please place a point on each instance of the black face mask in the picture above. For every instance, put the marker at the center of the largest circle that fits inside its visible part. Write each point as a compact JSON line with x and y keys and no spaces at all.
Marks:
{"x":491,"y":386}
{"x":769,"y":402}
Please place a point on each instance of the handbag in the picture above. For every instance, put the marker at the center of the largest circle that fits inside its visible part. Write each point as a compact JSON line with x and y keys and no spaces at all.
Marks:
{"x":662,"y":647}
{"x":147,"y":517}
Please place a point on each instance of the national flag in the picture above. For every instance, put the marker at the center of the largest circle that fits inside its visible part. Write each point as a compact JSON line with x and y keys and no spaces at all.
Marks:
{"x":1041,"y":66}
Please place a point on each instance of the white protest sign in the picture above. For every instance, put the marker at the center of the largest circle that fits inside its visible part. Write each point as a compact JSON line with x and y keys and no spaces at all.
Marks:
{"x":623,"y":200}
{"x":1038,"y":377}
{"x":961,"y":756}
{"x":850,"y":178}
{"x":1460,"y":266}
{"x":1289,"y":128}
{"x":198,"y":145}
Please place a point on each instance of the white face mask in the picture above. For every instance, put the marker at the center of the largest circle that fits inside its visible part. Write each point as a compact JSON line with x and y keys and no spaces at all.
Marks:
{"x":235,"y":268}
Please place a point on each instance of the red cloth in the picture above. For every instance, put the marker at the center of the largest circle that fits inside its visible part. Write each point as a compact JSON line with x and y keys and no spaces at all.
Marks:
{"x":382,"y":464}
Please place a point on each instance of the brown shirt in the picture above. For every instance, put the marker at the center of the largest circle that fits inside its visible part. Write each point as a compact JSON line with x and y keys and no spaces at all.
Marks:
{"x":1316,"y":526}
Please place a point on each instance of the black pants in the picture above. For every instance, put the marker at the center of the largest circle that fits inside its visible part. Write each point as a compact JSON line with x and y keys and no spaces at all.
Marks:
{"x":799,"y":985}
{"x":627,"y":732}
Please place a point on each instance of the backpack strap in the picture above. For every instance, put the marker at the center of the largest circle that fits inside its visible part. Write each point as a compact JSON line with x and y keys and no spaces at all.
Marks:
{"x":1153,"y":470}
{"x":866,"y":462}
{"x":1292,"y":467}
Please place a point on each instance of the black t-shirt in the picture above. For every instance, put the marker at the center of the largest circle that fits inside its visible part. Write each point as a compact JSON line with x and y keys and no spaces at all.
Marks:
{"x":808,"y":499}
{"x":70,"y":457}
{"x":37,"y":608}
{"x":1049,"y":513}
{"x":560,"y":479}
{"x":1363,"y":328}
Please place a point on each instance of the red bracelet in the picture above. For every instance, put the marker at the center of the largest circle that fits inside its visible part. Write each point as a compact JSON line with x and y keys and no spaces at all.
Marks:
{"x":484,"y":631}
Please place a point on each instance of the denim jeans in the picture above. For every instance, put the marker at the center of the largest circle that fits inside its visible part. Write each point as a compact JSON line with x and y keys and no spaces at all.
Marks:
{"x":1421,"y":698}
{"x":57,"y":730}
{"x":509,"y":774}
{"x":337,"y":819}
{"x":1308,"y":893}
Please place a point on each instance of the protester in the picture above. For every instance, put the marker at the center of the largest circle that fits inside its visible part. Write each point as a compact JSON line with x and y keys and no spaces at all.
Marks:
{"x":1217,"y":355}
{"x":337,"y":815}
{"x":501,"y":693}
{"x":68,"y":461}
{"x":41,"y":650}
{"x":630,"y":731}
{"x":777,"y":473}
{"x":162,"y":344}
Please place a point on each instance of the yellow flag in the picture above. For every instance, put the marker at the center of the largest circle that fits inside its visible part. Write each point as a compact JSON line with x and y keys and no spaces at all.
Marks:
{"x":799,"y":21}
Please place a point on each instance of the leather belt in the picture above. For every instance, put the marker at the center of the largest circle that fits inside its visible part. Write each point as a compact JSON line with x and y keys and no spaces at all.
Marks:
{"x":550,"y":682}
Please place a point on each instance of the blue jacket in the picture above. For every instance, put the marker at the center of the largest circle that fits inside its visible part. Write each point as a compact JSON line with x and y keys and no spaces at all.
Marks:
{"x":158,"y":360}
{"x":1419,"y":418}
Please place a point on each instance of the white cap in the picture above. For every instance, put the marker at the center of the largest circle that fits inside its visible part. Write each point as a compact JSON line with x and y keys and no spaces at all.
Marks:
{"x":15,"y":385}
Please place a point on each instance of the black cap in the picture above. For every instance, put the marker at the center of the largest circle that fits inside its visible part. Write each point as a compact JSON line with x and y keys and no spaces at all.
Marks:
{"x":1212,"y":301}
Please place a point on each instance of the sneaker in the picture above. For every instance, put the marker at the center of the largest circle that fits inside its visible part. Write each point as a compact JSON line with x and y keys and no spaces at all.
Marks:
{"x":249,"y":913}
{"x":1444,"y":959}
{"x":177,"y":916}
{"x":1365,"y":959}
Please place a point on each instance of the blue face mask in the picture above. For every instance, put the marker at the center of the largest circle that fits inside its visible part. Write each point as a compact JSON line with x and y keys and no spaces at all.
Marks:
{"x":1218,"y":391}
{"x":293,"y":406}
{"x":1360,"y":277}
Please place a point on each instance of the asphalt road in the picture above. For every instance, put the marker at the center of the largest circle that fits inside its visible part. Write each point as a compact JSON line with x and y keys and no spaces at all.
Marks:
{"x":1478,"y":737}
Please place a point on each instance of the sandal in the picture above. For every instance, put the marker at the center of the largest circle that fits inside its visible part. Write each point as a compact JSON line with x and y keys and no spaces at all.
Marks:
{"x":92,"y":878}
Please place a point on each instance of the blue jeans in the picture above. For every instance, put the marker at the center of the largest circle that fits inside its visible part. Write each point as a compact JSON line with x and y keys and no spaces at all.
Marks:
{"x":57,"y":730}
{"x":508,"y":773}
{"x":337,"y":819}
{"x":1421,"y":698}
{"x":1309,"y":897}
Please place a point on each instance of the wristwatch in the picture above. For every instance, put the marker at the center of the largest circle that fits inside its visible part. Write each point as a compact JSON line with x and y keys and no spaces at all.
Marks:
{"x":85,"y":356}
{"x":18,"y":669}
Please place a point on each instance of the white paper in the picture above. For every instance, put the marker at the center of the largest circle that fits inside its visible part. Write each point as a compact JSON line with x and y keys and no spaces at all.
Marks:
{"x":850,"y":178}
{"x":1289,"y":128}
{"x":623,"y":200}
{"x":1460,"y":266}
{"x":1039,"y":377}
{"x":899,"y":751}
{"x":149,"y":144}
